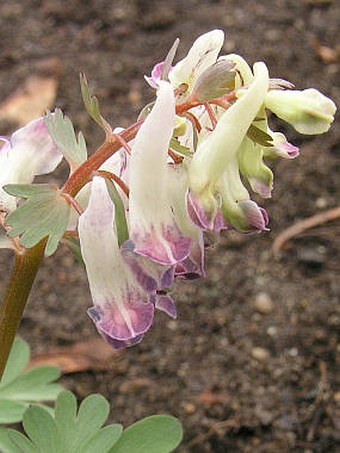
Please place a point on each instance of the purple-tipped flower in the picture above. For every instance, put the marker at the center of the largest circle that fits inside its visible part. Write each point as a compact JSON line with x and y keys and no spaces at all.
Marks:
{"x":156,"y":75}
{"x":123,"y":310}
{"x":29,"y":152}
{"x":152,"y":225}
{"x":281,"y":148}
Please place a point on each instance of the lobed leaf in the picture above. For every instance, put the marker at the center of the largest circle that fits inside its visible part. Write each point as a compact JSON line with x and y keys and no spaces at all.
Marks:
{"x":155,"y":434}
{"x":17,"y":361}
{"x":45,"y":214}
{"x":92,"y":105}
{"x":18,"y":388}
{"x":11,"y":411}
{"x":42,"y":430}
{"x":62,"y":132}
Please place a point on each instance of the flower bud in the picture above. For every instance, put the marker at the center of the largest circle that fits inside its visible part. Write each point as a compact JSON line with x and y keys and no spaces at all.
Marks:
{"x":308,"y":111}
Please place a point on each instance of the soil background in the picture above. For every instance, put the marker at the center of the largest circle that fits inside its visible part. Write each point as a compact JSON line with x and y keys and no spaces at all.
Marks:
{"x":240,"y":377}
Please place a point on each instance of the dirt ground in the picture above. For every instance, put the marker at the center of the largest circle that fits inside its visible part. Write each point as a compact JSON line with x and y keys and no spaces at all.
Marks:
{"x":250,"y":364}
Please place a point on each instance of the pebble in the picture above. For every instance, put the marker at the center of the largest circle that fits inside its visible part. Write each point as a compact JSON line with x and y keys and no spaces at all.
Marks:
{"x":263,"y":303}
{"x":260,"y":354}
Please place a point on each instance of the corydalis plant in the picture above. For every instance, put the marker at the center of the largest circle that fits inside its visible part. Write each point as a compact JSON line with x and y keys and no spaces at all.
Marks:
{"x":138,"y":208}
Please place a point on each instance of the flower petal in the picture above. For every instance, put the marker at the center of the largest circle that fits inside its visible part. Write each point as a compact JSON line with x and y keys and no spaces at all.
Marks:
{"x":308,"y":111}
{"x":122,"y":309}
{"x":152,"y":226}
{"x":29,"y":152}
{"x":214,"y":154}
{"x":202,"y":54}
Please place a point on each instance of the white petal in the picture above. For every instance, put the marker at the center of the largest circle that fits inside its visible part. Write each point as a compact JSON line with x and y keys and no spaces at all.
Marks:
{"x":202,"y":54}
{"x":121,"y":308}
{"x":148,"y":163}
{"x":214,"y":154}
{"x":30,"y":152}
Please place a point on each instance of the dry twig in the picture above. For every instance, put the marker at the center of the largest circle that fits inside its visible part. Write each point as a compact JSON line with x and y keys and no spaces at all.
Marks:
{"x":302,"y":226}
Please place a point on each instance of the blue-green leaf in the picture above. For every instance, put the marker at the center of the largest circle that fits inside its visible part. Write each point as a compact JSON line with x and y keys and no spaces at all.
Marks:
{"x":11,"y":411}
{"x":120,"y":218}
{"x":34,"y":385}
{"x":17,"y":361}
{"x":45,"y":214}
{"x":103,"y":440}
{"x":61,"y":129}
{"x":155,"y":434}
{"x":21,"y":442}
{"x":42,"y":430}
{"x":92,"y":414}
{"x":6,"y":443}
{"x":18,"y":388}
{"x":92,"y":105}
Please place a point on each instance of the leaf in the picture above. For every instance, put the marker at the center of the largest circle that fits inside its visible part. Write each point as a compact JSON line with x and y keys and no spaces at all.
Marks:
{"x":120,"y":219}
{"x":6,"y":443}
{"x":17,"y":361}
{"x":18,"y":388}
{"x":65,"y":415}
{"x":21,"y":442}
{"x":155,"y":434}
{"x":45,"y":214}
{"x":93,"y":413}
{"x":68,"y":431}
{"x":35,"y":385}
{"x":42,"y":430}
{"x":104,"y":439}
{"x":11,"y":411}
{"x":61,"y":129}
{"x":92,"y":105}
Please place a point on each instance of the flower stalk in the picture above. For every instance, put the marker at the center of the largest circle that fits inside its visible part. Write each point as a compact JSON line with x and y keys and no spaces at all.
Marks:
{"x":25,"y":269}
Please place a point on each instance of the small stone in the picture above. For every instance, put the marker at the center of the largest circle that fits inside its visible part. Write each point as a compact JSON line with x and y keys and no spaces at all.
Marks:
{"x":189,"y":408}
{"x":263,"y":303}
{"x":321,"y":203}
{"x":293,"y":352}
{"x":260,"y":354}
{"x":272,"y":331}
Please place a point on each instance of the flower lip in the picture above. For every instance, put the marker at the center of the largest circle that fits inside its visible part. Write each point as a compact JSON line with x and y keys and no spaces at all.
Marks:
{"x":256,"y":216}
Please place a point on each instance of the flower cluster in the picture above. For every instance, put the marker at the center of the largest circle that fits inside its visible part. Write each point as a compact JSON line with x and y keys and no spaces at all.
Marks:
{"x":201,"y":149}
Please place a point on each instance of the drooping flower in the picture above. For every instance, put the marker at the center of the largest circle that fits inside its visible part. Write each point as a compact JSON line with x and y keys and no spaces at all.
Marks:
{"x":308,"y":111}
{"x":152,"y":226}
{"x":29,"y":152}
{"x":123,"y":310}
{"x":210,"y":162}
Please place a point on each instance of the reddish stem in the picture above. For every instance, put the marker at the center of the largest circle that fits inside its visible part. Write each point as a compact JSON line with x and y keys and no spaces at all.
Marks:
{"x":108,"y":175}
{"x":83,"y":174}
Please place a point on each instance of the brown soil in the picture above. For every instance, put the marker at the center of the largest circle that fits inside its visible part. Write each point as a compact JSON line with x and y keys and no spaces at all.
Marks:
{"x":240,"y":377}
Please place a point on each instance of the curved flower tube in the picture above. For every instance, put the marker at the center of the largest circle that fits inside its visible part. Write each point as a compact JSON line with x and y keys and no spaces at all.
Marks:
{"x":123,"y":310}
{"x":29,"y":152}
{"x":152,"y":226}
{"x":220,"y":148}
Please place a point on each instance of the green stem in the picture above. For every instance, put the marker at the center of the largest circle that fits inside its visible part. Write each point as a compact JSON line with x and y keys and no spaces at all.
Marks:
{"x":11,"y":310}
